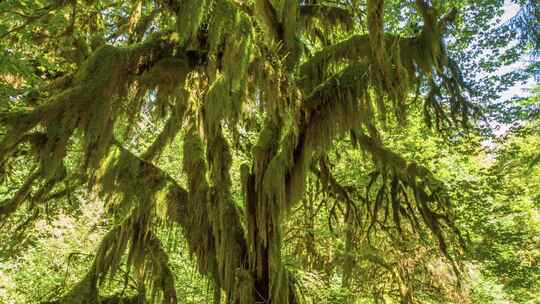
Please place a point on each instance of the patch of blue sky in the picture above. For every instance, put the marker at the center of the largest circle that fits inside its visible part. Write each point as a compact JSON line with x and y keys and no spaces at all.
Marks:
{"x":522,"y":89}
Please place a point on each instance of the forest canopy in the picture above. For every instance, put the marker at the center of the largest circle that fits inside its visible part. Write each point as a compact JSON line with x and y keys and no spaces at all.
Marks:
{"x":269,"y":151}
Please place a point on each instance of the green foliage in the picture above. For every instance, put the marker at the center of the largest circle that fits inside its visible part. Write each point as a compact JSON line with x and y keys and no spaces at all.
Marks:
{"x":287,"y":151}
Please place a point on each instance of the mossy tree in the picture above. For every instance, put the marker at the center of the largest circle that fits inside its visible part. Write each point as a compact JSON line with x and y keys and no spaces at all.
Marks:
{"x":296,"y":76}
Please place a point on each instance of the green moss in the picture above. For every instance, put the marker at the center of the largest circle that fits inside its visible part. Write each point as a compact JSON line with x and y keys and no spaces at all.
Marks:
{"x":220,"y":68}
{"x":189,"y":18}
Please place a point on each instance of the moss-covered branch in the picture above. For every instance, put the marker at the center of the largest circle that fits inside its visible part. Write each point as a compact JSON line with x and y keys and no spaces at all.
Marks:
{"x":108,"y":74}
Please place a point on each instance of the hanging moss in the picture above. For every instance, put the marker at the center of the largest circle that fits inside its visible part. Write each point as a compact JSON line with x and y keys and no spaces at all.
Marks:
{"x":394,"y":62}
{"x":145,"y":254}
{"x":327,"y":14}
{"x":218,"y":104}
{"x":168,"y":76}
{"x":158,"y":272}
{"x":228,"y":60}
{"x":195,"y":168}
{"x":105,"y":74}
{"x":427,"y":191}
{"x":268,"y":18}
{"x":289,"y":19}
{"x":170,"y":130}
{"x":189,"y":17}
{"x":375,"y":19}
{"x":138,"y":184}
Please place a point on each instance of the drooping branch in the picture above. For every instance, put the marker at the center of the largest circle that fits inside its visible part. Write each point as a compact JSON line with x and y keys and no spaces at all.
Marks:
{"x":430,"y":194}
{"x":9,"y":206}
{"x":107,"y":74}
{"x":343,"y":193}
{"x":146,"y":254}
{"x":189,"y":210}
{"x":332,"y":110}
{"x":396,"y":66}
{"x":171,"y":128}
